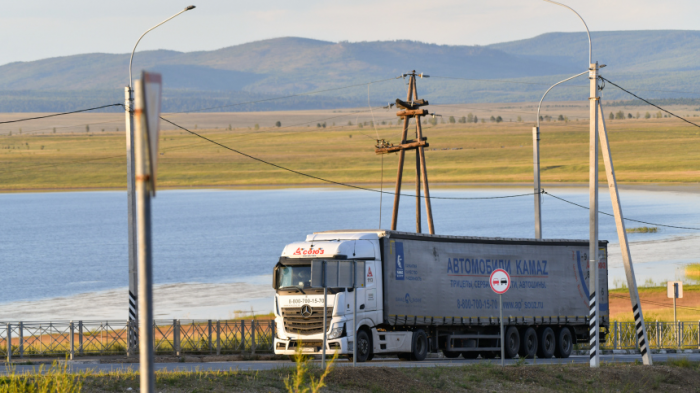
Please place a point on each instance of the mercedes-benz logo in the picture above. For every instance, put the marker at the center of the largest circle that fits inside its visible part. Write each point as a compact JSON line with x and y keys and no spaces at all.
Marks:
{"x":306,"y":311}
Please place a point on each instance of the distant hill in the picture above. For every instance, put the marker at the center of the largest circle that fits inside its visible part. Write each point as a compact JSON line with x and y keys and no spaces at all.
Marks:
{"x":646,"y":60}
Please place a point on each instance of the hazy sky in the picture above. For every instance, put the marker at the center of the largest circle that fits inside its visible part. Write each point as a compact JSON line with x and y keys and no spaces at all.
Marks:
{"x":35,"y":29}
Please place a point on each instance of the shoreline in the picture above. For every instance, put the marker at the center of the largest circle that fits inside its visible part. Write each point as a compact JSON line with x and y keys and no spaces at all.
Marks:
{"x":693,"y":188}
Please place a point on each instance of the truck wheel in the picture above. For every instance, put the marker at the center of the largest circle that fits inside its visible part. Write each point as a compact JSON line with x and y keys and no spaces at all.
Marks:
{"x":450,"y":354}
{"x":512,"y":341}
{"x":470,"y":354}
{"x":548,"y":343}
{"x":528,"y":343}
{"x":419,"y":346}
{"x":364,"y":346}
{"x":565,"y":343}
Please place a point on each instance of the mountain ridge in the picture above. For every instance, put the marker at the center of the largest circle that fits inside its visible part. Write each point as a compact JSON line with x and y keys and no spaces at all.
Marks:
{"x":292,"y":65}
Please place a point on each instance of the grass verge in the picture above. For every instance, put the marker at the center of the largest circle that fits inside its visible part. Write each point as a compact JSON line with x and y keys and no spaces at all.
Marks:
{"x":676,"y":375}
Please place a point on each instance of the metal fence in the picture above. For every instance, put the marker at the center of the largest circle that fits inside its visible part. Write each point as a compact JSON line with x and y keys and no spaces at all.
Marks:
{"x":172,"y":337}
{"x":178,"y":337}
{"x":661,"y":335}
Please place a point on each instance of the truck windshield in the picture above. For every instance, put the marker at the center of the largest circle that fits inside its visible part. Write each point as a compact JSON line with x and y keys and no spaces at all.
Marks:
{"x":294,"y":276}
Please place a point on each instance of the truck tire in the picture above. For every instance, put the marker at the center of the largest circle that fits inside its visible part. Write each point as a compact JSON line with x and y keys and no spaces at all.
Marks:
{"x":419,"y":346}
{"x":450,"y":354}
{"x":512,"y":342}
{"x":565,"y":343}
{"x":528,"y":343}
{"x":470,"y":354}
{"x":547,"y":343}
{"x":364,"y":346}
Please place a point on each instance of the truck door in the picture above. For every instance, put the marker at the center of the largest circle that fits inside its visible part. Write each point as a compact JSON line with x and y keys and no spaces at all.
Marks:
{"x":370,"y":286}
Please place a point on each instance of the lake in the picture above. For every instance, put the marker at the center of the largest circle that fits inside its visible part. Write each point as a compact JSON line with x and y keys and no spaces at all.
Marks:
{"x":69,"y":243}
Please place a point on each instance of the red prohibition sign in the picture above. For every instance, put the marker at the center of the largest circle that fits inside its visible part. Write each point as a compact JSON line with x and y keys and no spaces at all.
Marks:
{"x":500,"y":281}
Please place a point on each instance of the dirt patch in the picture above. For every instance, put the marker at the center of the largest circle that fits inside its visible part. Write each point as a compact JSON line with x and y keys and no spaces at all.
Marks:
{"x":656,"y":304}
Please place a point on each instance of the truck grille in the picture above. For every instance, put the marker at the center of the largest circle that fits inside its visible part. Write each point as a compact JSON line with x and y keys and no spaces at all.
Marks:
{"x":295,"y":322}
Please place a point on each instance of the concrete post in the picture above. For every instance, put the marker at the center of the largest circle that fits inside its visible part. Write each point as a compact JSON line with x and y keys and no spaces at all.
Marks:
{"x":132,"y":332}
{"x":593,"y":284}
{"x":538,"y":188}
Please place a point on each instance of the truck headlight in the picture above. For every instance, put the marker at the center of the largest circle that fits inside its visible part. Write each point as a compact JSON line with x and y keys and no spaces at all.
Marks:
{"x":337,"y":331}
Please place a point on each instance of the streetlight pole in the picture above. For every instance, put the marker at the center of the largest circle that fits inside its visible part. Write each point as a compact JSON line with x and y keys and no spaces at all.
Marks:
{"x":594,"y":305}
{"x":536,"y":161}
{"x":131,"y":199}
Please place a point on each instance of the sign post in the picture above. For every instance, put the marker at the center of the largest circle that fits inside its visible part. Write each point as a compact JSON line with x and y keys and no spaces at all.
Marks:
{"x":500,"y":283}
{"x":675,"y":291}
{"x":147,"y":121}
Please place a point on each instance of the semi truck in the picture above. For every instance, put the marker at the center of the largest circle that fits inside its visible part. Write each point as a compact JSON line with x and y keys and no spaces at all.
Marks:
{"x":430,"y":293}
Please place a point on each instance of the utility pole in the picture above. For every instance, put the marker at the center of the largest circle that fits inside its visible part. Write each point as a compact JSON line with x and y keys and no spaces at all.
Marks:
{"x":594,"y":284}
{"x":536,"y":178}
{"x":640,"y":325}
{"x":597,"y":117}
{"x":132,"y":329}
{"x":132,"y":334}
{"x":411,"y":109}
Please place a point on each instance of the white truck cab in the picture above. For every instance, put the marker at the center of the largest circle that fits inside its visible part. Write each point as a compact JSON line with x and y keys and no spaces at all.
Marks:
{"x":299,"y":308}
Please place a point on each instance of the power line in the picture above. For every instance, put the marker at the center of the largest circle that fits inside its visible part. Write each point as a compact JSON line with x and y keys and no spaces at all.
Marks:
{"x":322,"y":179}
{"x":60,"y":114}
{"x":624,"y":218}
{"x":650,"y":103}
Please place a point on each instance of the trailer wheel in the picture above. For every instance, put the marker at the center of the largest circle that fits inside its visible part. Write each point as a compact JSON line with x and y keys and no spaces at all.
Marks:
{"x":512,"y":342}
{"x":547,"y":343}
{"x":470,"y":354}
{"x":364,"y":346}
{"x":565,"y":343}
{"x":419,"y":346}
{"x":528,"y":343}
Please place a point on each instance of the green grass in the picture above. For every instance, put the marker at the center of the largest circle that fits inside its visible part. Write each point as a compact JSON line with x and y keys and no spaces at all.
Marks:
{"x":644,"y":152}
{"x":642,"y":230}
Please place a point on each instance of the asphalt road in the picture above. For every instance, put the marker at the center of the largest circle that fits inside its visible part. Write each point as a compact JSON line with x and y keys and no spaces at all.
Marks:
{"x":274,"y":364}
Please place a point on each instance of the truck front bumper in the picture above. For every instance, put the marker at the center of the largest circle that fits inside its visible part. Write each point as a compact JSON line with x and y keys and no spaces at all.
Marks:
{"x":342,"y":346}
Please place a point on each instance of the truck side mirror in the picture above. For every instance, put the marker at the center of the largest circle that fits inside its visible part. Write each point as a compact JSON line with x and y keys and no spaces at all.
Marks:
{"x":274,"y":277}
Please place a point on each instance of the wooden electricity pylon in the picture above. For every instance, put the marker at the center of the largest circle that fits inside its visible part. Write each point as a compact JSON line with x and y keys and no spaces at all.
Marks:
{"x":411,"y":109}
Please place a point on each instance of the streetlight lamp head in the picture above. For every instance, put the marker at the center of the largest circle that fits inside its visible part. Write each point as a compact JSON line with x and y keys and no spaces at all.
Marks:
{"x":191,"y":7}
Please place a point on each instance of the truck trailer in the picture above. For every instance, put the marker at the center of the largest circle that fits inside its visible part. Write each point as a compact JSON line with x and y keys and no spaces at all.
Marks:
{"x":429,"y":293}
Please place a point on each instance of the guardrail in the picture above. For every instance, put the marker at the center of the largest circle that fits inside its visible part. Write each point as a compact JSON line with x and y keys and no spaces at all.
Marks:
{"x":172,"y":337}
